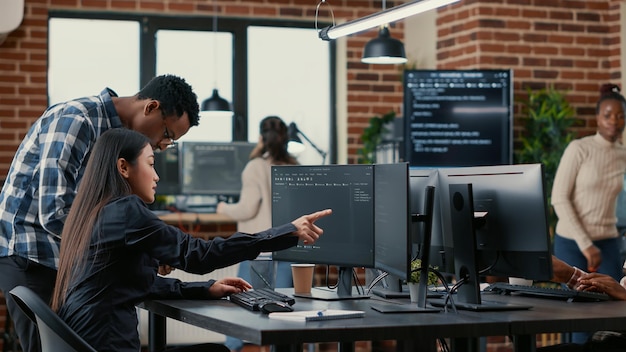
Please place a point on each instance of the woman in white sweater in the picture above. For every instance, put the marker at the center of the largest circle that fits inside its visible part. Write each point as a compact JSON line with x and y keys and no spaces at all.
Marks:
{"x":254,"y":209}
{"x":588,"y":180}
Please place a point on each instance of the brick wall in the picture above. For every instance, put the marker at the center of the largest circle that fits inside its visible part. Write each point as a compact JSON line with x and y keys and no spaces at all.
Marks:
{"x":23,"y":57}
{"x":573,"y":44}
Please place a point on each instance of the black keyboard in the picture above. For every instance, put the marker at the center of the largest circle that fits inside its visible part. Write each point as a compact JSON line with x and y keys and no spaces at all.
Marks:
{"x":253,"y":298}
{"x":548,"y":292}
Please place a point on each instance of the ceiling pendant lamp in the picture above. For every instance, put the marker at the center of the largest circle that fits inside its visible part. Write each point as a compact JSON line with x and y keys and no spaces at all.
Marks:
{"x":384,"y":49}
{"x":393,"y":14}
{"x":215,"y":105}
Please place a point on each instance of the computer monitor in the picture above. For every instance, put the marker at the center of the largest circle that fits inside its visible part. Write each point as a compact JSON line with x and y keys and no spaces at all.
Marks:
{"x":368,"y":226}
{"x":500,"y":212}
{"x":211,"y":168}
{"x":419,"y":181}
{"x":167,"y":166}
{"x":392,"y":220}
{"x":440,"y":249}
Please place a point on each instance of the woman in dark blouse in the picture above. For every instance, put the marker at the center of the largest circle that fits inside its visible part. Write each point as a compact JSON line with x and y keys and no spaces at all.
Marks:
{"x":113,"y":245}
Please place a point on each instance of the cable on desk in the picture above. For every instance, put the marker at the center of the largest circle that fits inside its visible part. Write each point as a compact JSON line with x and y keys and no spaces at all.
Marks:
{"x":377,"y":279}
{"x":260,"y":276}
{"x":328,"y":285}
{"x":448,"y":291}
{"x":359,"y":287}
{"x":455,"y":287}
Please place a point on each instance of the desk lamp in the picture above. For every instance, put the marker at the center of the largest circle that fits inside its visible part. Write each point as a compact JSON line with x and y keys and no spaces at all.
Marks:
{"x":296,"y":146}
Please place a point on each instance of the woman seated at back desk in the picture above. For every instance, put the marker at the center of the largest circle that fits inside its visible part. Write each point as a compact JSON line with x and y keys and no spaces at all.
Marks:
{"x":113,"y":244}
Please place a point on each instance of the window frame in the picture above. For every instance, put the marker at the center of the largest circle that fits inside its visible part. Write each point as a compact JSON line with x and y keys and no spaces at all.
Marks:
{"x":151,"y":23}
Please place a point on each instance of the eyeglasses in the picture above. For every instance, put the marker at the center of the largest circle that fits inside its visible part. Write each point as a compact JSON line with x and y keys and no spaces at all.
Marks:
{"x":169,"y":140}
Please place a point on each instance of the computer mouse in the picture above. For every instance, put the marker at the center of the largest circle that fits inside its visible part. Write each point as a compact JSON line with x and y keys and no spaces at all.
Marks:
{"x":271,"y":307}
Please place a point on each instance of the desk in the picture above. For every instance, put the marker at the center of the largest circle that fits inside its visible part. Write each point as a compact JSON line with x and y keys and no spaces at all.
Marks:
{"x":417,"y":328}
{"x":550,"y":315}
{"x":204,"y":225}
{"x":414,"y":329}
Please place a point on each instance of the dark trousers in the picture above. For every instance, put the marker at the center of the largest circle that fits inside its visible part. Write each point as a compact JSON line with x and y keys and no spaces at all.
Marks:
{"x":18,"y":271}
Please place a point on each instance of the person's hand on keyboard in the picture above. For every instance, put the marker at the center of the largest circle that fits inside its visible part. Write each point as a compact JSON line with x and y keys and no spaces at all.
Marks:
{"x":227,"y":286}
{"x":306,"y":229}
{"x":602,"y":283}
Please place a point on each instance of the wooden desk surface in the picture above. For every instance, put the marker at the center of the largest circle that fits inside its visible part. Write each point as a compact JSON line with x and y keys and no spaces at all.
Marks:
{"x":196,"y":218}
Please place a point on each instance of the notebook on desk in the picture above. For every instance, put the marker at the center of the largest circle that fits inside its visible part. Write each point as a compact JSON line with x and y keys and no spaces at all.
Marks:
{"x":317,"y":315}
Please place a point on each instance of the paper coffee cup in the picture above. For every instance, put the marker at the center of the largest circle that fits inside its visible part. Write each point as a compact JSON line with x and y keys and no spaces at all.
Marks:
{"x":302,"y":277}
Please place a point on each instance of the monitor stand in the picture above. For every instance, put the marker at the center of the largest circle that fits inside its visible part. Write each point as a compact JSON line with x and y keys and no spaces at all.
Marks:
{"x":465,"y":254}
{"x":422,"y":290}
{"x":343,"y":292}
{"x":389,"y":293}
{"x":483,"y":306}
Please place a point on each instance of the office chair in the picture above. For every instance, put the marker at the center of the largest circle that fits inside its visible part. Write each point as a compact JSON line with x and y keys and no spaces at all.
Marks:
{"x":54,"y":334}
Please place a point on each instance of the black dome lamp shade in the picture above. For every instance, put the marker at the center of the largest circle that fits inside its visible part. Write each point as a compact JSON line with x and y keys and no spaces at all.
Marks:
{"x":216,"y":103}
{"x":384,"y":49}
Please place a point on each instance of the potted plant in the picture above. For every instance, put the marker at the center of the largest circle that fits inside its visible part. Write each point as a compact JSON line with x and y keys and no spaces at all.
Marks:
{"x":372,"y":137}
{"x":549,"y":117}
{"x":414,"y":278}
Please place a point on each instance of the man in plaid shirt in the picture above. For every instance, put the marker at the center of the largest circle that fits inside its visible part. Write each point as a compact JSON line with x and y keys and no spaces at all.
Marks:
{"x":47,"y":169}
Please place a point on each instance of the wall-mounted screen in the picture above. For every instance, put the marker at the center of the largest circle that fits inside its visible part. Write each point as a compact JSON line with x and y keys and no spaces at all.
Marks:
{"x":458,"y":118}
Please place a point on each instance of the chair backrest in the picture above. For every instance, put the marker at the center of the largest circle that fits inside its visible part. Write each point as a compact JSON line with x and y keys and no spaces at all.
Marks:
{"x":54,"y":333}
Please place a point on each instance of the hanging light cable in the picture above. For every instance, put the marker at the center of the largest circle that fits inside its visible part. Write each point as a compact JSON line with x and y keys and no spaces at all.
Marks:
{"x":215,"y":104}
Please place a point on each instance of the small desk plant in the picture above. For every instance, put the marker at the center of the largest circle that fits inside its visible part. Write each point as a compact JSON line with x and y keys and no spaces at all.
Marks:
{"x":414,"y":278}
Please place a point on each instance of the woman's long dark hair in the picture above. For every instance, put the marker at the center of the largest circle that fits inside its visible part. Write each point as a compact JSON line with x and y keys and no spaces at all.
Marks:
{"x":100,"y":183}
{"x":275,"y":138}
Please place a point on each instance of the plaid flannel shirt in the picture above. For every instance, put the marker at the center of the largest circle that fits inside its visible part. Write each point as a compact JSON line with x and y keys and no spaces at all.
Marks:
{"x":46,"y":170}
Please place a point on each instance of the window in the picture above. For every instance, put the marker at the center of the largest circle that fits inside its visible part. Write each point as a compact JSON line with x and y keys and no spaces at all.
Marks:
{"x":293,"y":82}
{"x":83,"y":61}
{"x":206,"y":66}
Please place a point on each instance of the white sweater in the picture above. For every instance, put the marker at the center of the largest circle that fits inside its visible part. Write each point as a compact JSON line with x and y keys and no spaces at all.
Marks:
{"x":588,"y":180}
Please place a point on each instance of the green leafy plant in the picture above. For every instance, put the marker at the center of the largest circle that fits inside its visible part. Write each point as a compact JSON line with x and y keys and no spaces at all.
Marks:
{"x":416,"y":265}
{"x":549,"y":117}
{"x":372,"y":137}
